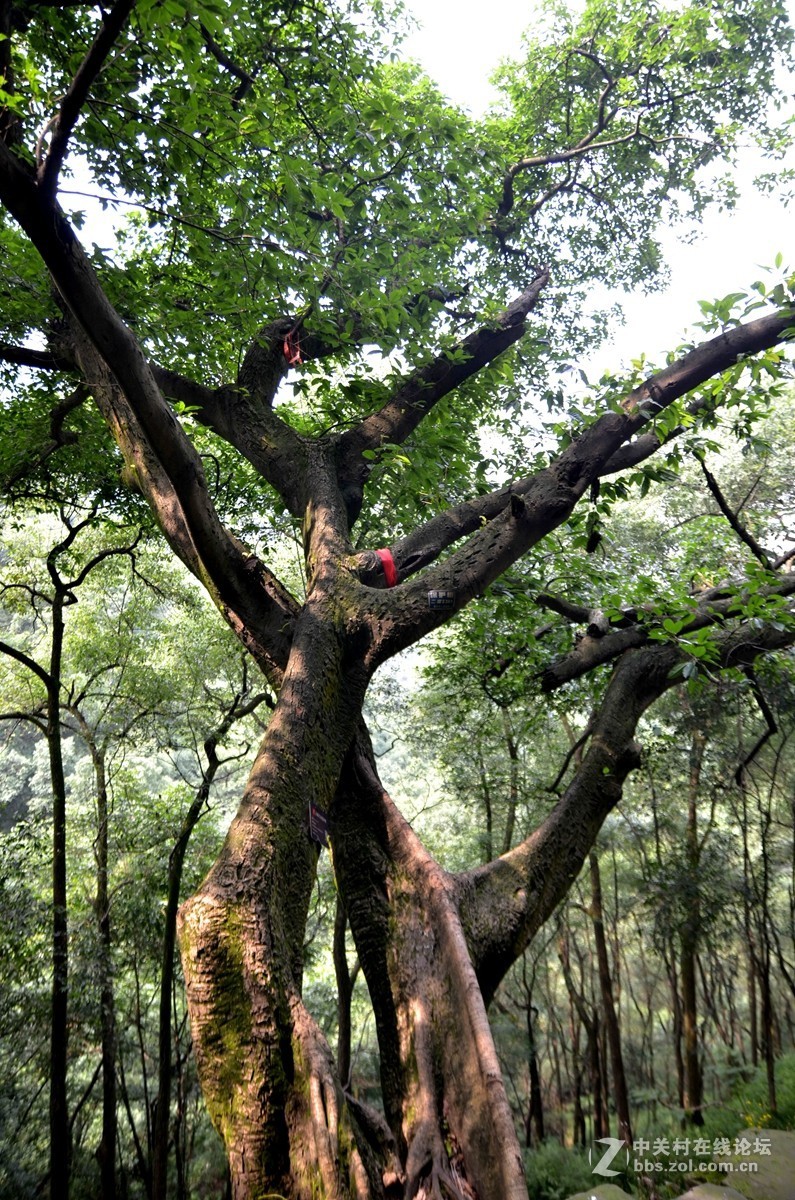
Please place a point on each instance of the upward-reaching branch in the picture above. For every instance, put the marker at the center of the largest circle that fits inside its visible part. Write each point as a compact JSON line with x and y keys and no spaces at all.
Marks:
{"x":526,"y":885}
{"x":731,"y":516}
{"x":424,"y":545}
{"x":71,"y":106}
{"x":423,"y":389}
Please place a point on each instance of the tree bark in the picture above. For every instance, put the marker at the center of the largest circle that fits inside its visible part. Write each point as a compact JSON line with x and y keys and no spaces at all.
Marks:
{"x":439,"y":1067}
{"x":267,"y":1074}
{"x":345,"y":982}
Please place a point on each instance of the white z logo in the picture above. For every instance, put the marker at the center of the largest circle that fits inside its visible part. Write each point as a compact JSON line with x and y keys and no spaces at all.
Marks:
{"x":603,"y":1166}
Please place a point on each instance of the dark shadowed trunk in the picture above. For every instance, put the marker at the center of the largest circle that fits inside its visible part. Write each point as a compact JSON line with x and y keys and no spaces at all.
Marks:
{"x":60,"y":1134}
{"x":689,"y":935}
{"x":620,"y":1091}
{"x":346,"y":978}
{"x":106,"y":1151}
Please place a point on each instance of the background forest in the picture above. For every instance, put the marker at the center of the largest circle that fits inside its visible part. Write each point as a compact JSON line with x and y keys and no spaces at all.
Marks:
{"x":693,"y":876}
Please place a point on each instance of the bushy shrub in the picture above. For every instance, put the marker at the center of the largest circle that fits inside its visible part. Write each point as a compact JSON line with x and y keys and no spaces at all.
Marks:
{"x":553,"y":1172}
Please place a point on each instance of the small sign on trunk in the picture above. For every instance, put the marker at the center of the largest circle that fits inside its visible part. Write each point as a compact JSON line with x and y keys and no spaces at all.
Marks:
{"x":318,"y":825}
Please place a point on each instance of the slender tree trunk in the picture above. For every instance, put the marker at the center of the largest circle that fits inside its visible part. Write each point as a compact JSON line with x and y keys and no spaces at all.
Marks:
{"x":181,"y":1157}
{"x":688,"y":941}
{"x":60,"y":1134}
{"x":176,"y":862}
{"x":535,"y":1107}
{"x":768,"y":1028}
{"x":589,"y":1019}
{"x":485,"y":791}
{"x":513,"y":780}
{"x":106,"y":1151}
{"x":620,"y":1091}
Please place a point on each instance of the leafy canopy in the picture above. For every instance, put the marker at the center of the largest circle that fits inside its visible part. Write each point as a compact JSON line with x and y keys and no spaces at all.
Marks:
{"x":269,"y":162}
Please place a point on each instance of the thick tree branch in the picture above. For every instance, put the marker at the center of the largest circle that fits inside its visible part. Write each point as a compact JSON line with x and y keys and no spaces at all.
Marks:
{"x":160,"y":457}
{"x":771,"y":727}
{"x":417,"y":396}
{"x":26,"y":356}
{"x":77,"y":94}
{"x":504,"y":903}
{"x":28,"y":662}
{"x":564,"y":608}
{"x":591,"y":652}
{"x":223,"y":59}
{"x":424,"y":545}
{"x":268,"y":443}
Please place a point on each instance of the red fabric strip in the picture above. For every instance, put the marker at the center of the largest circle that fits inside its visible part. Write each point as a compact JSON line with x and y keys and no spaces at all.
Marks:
{"x":390,"y":570}
{"x":292,"y":350}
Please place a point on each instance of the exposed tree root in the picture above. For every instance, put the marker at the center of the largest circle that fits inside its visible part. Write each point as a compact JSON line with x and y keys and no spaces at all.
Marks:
{"x":313,"y":1111}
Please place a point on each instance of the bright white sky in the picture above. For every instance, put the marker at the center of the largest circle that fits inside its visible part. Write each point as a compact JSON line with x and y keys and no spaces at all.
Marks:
{"x":462,"y":41}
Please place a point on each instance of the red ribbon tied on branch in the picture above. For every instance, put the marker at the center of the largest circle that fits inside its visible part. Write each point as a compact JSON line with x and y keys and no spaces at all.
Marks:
{"x":390,"y":570}
{"x":292,"y":349}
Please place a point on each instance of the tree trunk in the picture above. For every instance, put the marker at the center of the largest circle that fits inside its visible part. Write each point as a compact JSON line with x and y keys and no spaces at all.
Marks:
{"x":345,"y":982}
{"x":535,"y":1106}
{"x":485,"y":791}
{"x":60,"y":1135}
{"x":162,"y":1107}
{"x":589,"y":1019}
{"x":620,"y":1091}
{"x":688,"y":942}
{"x":106,"y":1151}
{"x":267,"y":1074}
{"x":439,"y":1067}
{"x":513,"y":780}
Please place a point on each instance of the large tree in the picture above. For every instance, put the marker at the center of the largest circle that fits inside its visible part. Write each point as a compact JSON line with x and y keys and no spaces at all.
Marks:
{"x":306,"y":210}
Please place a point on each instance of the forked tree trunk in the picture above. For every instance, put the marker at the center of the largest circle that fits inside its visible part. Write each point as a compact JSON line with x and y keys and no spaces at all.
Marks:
{"x":267,"y":1074}
{"x":433,"y":948}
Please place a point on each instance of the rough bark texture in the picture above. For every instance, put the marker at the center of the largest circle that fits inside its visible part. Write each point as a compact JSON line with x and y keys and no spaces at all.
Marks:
{"x":268,"y":1078}
{"x":439,"y":1066}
